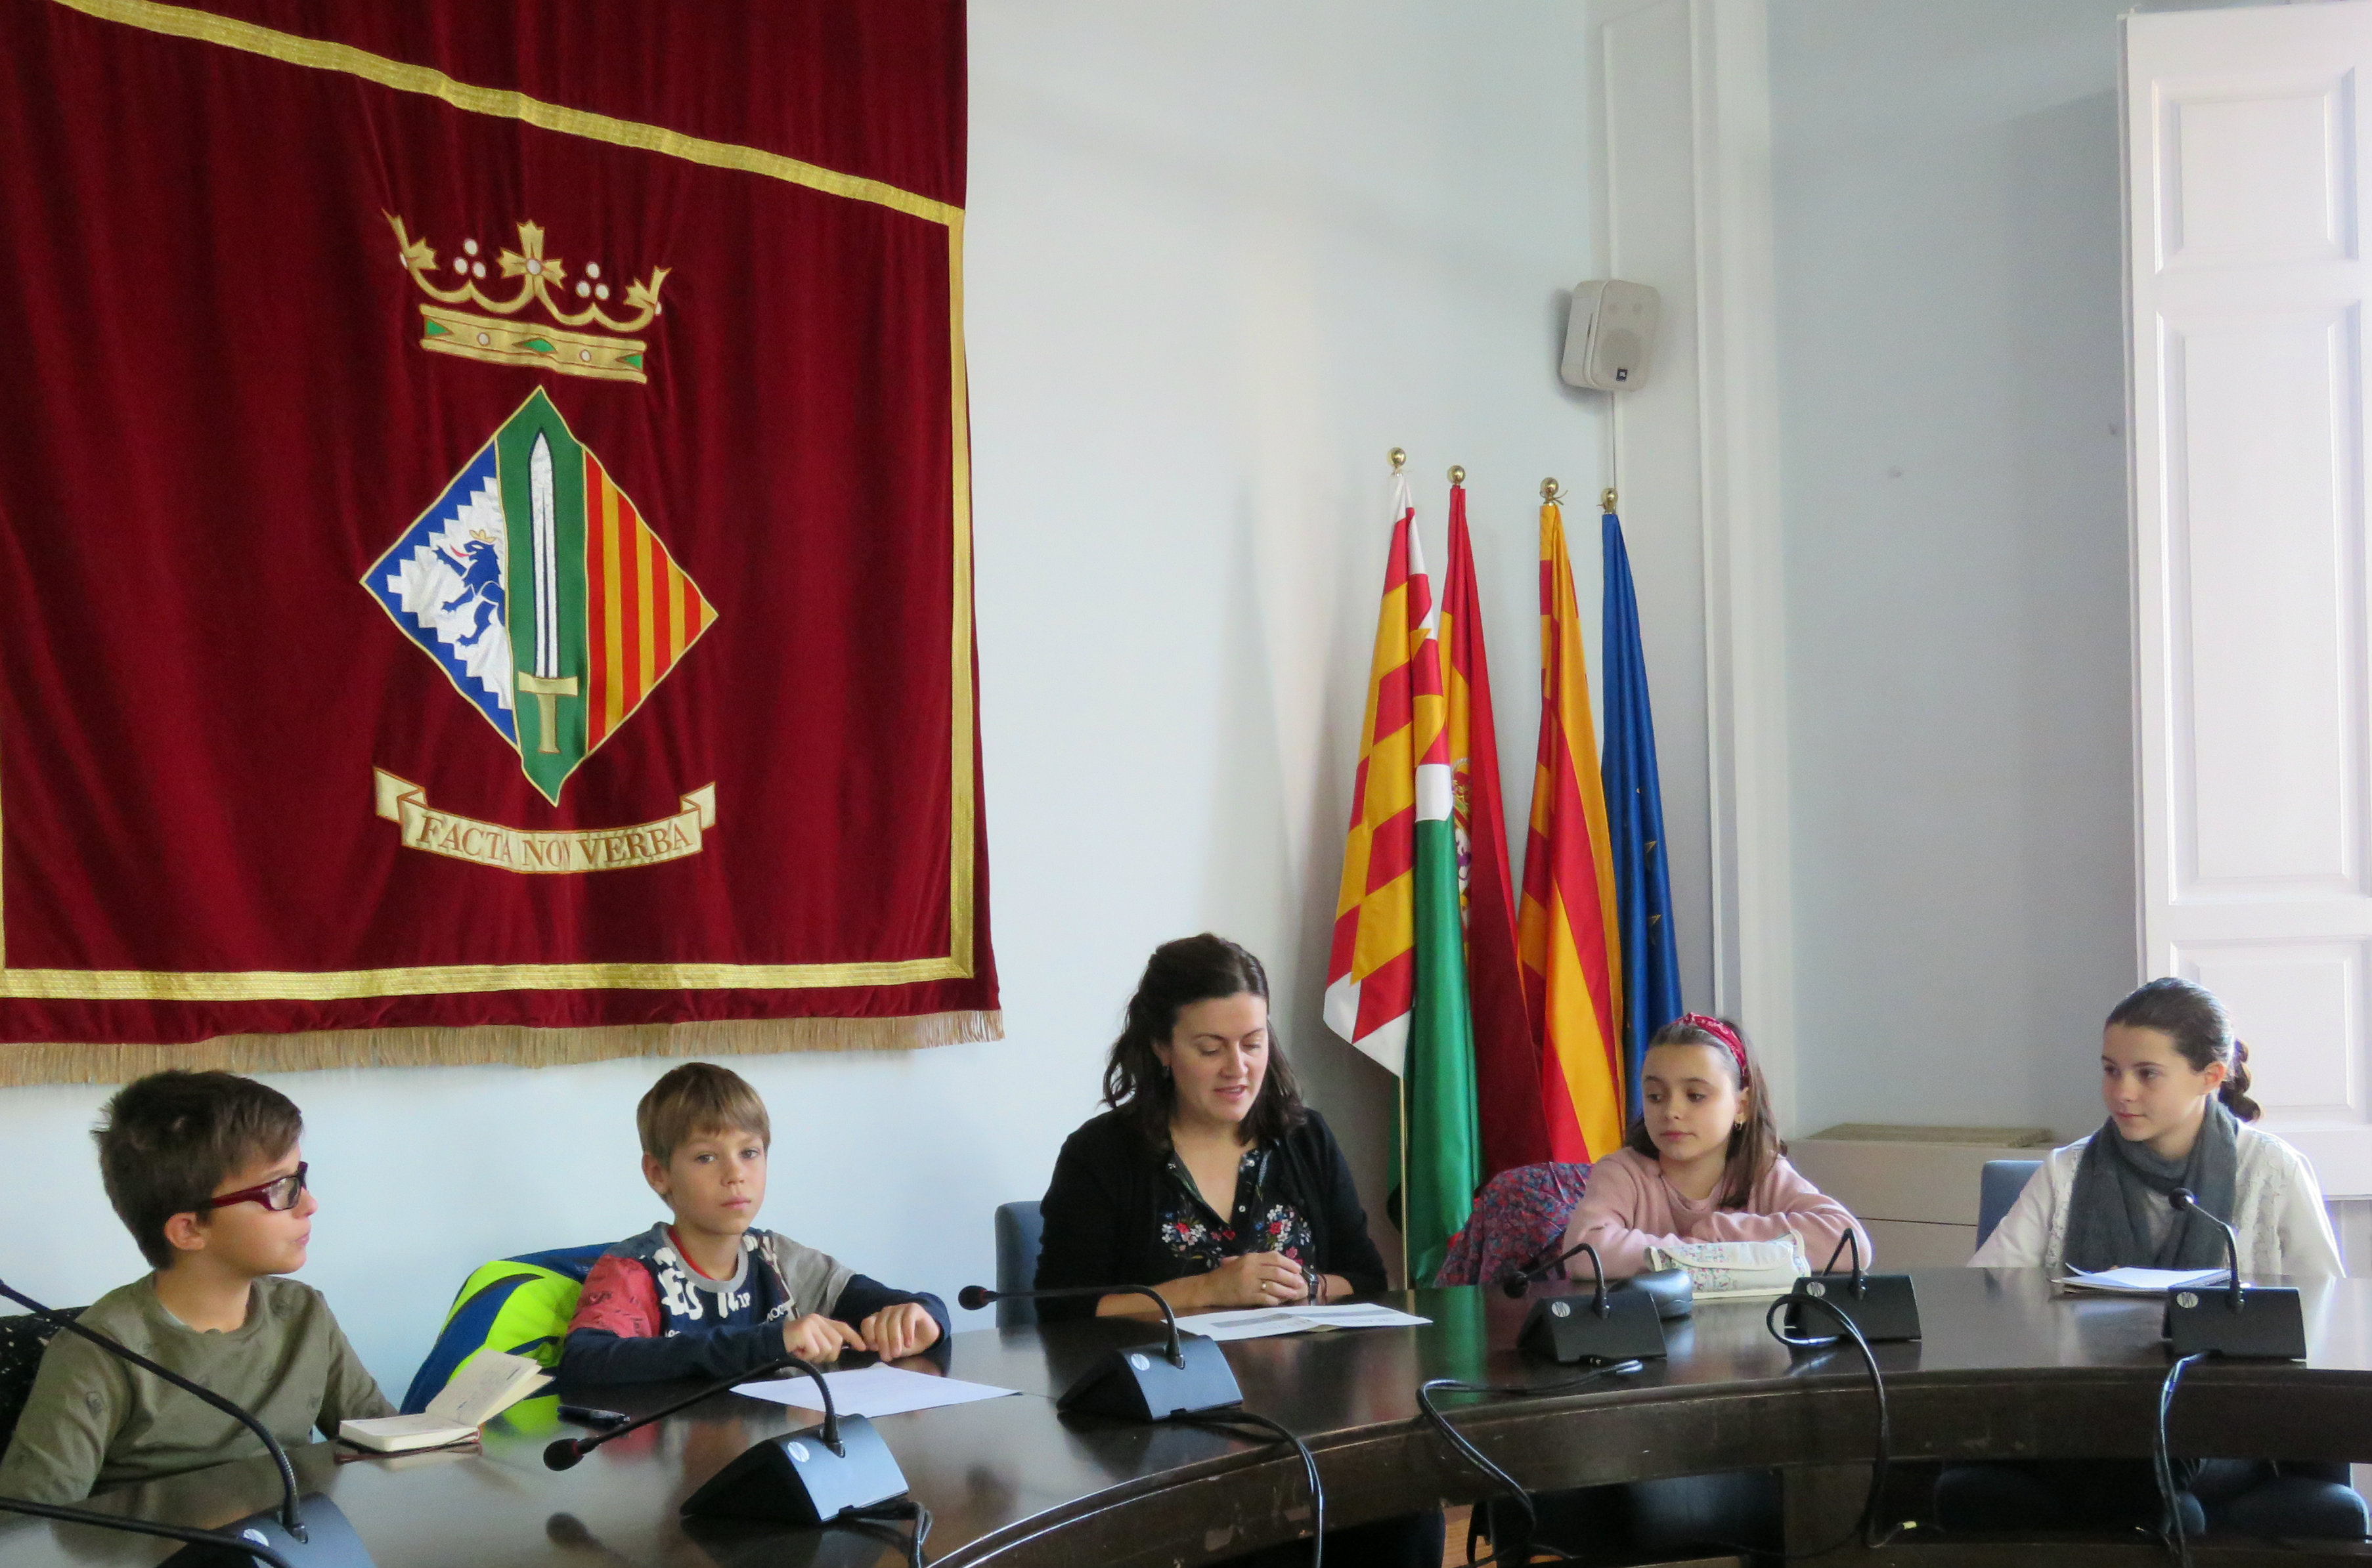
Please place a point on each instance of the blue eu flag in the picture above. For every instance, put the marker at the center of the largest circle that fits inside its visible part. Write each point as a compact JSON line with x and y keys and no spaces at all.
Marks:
{"x":1634,"y":821}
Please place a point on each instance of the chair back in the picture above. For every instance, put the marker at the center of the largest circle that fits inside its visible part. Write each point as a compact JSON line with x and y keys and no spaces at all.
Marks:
{"x":23,"y":1338}
{"x":1517,"y":1216}
{"x":1997,"y":1188}
{"x":520,"y":1305}
{"x":1019,"y":1228}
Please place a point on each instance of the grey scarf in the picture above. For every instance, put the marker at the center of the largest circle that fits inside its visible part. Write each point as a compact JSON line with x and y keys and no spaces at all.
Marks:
{"x":2117,"y":1182}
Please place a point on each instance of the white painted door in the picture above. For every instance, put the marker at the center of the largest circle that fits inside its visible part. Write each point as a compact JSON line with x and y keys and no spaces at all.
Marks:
{"x":2245,"y":157}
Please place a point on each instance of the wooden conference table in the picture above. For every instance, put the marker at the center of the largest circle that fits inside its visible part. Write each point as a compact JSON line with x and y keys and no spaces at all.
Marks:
{"x":2008,"y":1369}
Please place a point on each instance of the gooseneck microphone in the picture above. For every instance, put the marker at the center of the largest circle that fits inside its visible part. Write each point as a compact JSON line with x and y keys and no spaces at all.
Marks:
{"x":1860,"y":1275}
{"x":565,"y":1453}
{"x":1619,"y":1326}
{"x":1515,"y":1281}
{"x":1882,"y":1306}
{"x":290,"y":1520}
{"x":2186,"y":1201}
{"x":972,"y":1298}
{"x":223,"y":1540}
{"x":1187,"y":1375}
{"x":2261,"y":1320}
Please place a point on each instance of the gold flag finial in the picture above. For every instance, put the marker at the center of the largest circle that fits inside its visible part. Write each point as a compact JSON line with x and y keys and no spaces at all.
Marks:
{"x":1398,"y":458}
{"x":1605,"y":500}
{"x":1549,"y":490}
{"x":1457,"y":473}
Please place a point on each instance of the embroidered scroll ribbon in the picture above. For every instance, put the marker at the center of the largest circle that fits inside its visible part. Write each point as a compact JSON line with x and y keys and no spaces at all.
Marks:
{"x":423,"y":826}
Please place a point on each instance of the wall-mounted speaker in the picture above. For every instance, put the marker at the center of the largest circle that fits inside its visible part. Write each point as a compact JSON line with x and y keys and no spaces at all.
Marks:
{"x":1610,"y":335}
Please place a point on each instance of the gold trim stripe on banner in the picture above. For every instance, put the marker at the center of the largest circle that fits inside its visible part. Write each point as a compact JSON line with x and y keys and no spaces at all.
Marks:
{"x":320,"y":54}
{"x":233,"y":985}
{"x":479,"y":1044}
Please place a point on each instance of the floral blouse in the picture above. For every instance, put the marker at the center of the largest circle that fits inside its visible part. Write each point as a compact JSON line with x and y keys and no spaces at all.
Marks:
{"x":1201,"y":1240}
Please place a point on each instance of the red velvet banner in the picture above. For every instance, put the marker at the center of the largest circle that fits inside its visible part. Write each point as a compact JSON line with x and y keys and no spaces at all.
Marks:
{"x":484,"y":521}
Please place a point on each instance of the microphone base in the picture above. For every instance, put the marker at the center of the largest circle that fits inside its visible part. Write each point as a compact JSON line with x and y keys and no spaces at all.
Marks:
{"x":796,"y":1479}
{"x":1569,"y":1328}
{"x":331,"y":1540}
{"x":1140,"y":1384}
{"x":1884,"y":1307}
{"x":2270,"y":1326}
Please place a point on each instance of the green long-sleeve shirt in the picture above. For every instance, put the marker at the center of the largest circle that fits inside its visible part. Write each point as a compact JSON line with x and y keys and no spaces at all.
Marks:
{"x":95,"y":1420}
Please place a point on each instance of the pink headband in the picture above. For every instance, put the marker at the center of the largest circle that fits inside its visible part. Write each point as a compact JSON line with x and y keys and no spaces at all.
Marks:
{"x":1722,"y":1033}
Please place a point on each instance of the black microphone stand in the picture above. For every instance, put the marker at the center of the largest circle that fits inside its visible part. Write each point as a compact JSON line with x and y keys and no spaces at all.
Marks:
{"x":564,"y":1453}
{"x":972,"y":1298}
{"x":1882,"y":1306}
{"x":1127,"y":1383}
{"x":2263,"y":1322}
{"x":1515,"y":1281}
{"x":191,"y":1534}
{"x":289,"y":1518}
{"x":1618,"y":1325}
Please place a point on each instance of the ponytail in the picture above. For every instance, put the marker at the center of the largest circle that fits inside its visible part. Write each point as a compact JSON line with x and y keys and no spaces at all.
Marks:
{"x":2235,"y":1090}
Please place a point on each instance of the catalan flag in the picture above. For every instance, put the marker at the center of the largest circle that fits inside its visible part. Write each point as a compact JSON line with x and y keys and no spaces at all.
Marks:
{"x":641,"y":610}
{"x":1371,"y":971}
{"x":1566,"y":929}
{"x":1396,"y":980}
{"x":1507,"y":1059}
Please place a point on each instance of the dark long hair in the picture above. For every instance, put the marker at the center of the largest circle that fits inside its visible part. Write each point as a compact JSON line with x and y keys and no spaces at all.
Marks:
{"x":1754,"y":1148}
{"x":2187,"y":1014}
{"x":1180,"y":973}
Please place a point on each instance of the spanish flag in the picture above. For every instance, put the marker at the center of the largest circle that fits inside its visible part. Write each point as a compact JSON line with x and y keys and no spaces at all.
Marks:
{"x":1566,"y":934}
{"x":1396,"y":980}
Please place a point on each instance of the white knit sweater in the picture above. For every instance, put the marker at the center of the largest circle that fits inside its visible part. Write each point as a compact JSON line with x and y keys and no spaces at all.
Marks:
{"x":2276,"y":1204}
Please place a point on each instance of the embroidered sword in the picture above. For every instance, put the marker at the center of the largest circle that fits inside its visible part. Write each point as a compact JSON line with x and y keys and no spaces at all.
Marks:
{"x":547,"y":685}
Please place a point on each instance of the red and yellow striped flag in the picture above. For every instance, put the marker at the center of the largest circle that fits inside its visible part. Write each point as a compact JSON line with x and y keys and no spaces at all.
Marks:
{"x":1566,"y":935}
{"x":641,"y":611}
{"x":1371,"y":971}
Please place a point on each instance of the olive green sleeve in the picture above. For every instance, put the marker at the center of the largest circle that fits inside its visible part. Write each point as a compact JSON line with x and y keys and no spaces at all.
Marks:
{"x":79,"y":1400}
{"x":349,"y":1392}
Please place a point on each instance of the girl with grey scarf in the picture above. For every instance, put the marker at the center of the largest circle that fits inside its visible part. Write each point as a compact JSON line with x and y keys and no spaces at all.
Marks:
{"x":2176,"y":1087}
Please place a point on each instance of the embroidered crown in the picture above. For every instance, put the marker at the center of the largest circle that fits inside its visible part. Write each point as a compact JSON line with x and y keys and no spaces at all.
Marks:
{"x":560,"y":345}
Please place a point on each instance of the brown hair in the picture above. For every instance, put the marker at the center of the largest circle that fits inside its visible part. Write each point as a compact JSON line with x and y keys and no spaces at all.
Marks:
{"x":2187,"y":1014}
{"x":1180,"y":973}
{"x":167,"y":1141}
{"x":1755,"y":1146}
{"x":695,"y":1098}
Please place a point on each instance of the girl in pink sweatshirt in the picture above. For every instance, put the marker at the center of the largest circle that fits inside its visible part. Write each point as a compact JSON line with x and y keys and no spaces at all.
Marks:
{"x":1703,"y":1163}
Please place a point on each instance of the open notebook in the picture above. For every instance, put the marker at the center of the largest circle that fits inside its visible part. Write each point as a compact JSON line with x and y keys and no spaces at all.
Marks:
{"x":488,"y":1384}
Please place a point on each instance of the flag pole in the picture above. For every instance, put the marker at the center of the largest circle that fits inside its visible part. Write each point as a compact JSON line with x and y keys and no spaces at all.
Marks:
{"x":1398,"y":457}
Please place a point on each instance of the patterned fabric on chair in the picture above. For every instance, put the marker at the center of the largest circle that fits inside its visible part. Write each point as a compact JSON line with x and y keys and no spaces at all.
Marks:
{"x":1518,"y":1217}
{"x":23,"y":1338}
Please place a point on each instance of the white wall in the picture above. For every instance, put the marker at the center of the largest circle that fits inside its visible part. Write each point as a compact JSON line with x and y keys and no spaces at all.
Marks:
{"x":1951,"y":365}
{"x":1221,"y":258}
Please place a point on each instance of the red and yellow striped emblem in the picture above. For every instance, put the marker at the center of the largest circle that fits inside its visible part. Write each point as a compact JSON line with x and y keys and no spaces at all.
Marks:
{"x":641,"y":611}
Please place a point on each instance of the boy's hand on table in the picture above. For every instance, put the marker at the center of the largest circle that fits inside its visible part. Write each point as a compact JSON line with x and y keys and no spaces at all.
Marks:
{"x":820,"y":1339}
{"x":896,"y":1332}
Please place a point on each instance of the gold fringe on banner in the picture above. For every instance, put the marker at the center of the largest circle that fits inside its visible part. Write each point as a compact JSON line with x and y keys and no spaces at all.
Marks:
{"x":509,"y":1046}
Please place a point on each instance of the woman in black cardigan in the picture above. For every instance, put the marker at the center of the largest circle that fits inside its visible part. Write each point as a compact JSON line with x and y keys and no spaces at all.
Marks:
{"x":1209,"y":1180}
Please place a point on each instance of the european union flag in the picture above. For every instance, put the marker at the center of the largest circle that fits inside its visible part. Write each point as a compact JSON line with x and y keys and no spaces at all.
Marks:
{"x":1634,"y":821}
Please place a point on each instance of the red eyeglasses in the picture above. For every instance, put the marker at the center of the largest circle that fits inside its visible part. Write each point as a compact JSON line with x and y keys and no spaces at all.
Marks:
{"x":278,"y":1194}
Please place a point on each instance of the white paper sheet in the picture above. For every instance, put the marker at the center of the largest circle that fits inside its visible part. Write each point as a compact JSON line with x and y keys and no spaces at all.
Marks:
{"x":874,"y":1390}
{"x":1260,"y":1322}
{"x":2145,"y":1282}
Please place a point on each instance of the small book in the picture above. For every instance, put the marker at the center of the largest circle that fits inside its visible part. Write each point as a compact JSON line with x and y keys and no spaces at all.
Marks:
{"x":490,"y":1383}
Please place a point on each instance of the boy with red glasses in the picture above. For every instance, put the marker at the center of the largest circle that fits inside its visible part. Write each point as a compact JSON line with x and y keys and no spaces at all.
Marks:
{"x":205,"y":1170}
